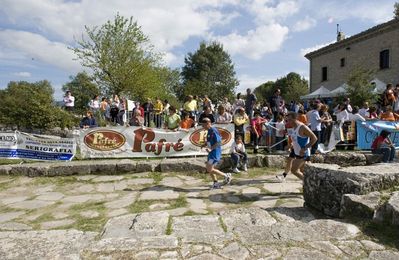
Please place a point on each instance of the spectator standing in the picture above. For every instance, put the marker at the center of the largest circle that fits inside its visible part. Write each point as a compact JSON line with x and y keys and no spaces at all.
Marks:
{"x":256,"y":126}
{"x":158,"y":109}
{"x":280,"y":133}
{"x":364,"y":111}
{"x":275,"y":102}
{"x":315,"y":125}
{"x":347,"y":103}
{"x":355,"y":115}
{"x":69,"y":101}
{"x":190,"y":106}
{"x":239,"y":102}
{"x":389,"y":115}
{"x":207,"y":103}
{"x":95,"y":104}
{"x":103,"y":107}
{"x":148,"y":109}
{"x":114,"y":110}
{"x":121,"y":112}
{"x":326,"y":126}
{"x":240,"y":119}
{"x":250,"y":103}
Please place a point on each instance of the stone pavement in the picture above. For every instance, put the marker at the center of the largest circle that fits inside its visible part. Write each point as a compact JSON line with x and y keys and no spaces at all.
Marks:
{"x":171,"y":216}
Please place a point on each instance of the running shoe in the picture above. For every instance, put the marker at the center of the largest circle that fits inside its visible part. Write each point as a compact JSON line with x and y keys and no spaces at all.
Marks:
{"x":236,"y":170}
{"x":228,"y":178}
{"x":281,"y":178}
{"x":216,"y":185}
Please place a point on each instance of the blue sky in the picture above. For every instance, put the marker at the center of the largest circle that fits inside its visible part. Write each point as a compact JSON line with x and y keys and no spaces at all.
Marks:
{"x":265,"y":38}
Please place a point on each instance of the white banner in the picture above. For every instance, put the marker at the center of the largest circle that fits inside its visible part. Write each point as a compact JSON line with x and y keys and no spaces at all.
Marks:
{"x":16,"y":145}
{"x":133,"y":142}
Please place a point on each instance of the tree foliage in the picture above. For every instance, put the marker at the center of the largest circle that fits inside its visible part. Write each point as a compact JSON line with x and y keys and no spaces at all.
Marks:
{"x":359,"y":87}
{"x":292,"y":87}
{"x":31,"y":106}
{"x":396,"y":10}
{"x":122,"y":59}
{"x":208,"y":71}
{"x":83,"y":89}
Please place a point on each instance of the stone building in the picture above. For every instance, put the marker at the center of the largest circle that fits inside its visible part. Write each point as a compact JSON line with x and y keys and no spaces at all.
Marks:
{"x":376,"y":48}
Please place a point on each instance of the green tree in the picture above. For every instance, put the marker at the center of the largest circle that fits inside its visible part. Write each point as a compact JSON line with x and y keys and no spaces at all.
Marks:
{"x":209,"y":71}
{"x":292,"y":87}
{"x":396,"y":11}
{"x":83,"y":88}
{"x":359,"y":87}
{"x":31,"y":106}
{"x":264,"y":91}
{"x":122,"y":59}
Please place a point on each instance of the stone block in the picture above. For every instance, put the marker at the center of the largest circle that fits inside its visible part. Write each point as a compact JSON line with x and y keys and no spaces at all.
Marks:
{"x":324,"y":185}
{"x":126,"y":165}
{"x":392,"y":208}
{"x":182,"y":165}
{"x":5,"y":170}
{"x":68,"y":168}
{"x":275,"y":161}
{"x":345,"y":159}
{"x":146,"y":166}
{"x":103,"y":167}
{"x":362,"y":206}
{"x":373,"y":158}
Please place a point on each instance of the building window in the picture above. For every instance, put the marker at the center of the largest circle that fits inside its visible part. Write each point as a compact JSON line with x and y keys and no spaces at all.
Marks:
{"x":384,"y":59}
{"x":343,"y":62}
{"x":324,"y":74}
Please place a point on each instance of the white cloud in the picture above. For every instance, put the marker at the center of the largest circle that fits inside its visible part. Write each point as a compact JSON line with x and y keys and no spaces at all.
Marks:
{"x":305,"y":51}
{"x":37,"y":47}
{"x":248,"y":81}
{"x":305,"y":24}
{"x":256,"y":43}
{"x":23,"y":74}
{"x":267,"y":11}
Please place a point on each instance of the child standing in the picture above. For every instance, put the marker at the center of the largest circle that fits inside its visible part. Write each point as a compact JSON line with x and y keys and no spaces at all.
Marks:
{"x":256,"y":126}
{"x":238,"y":154}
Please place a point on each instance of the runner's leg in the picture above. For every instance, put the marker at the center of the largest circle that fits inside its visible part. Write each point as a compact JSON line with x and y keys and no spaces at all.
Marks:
{"x":296,"y":166}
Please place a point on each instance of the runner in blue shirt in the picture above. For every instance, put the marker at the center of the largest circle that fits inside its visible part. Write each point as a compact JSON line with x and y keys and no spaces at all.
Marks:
{"x":213,"y":143}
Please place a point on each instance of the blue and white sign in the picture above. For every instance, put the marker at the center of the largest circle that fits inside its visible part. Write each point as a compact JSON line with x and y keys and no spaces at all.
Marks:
{"x":16,"y":145}
{"x":369,"y":130}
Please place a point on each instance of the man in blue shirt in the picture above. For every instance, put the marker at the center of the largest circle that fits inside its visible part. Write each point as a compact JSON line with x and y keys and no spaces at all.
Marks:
{"x":213,"y":142}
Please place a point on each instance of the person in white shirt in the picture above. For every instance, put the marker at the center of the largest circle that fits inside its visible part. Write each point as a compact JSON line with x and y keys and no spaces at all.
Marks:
{"x":280,"y":133}
{"x":238,"y":153}
{"x":69,"y":101}
{"x":355,"y":115}
{"x":95,"y":104}
{"x":342,"y":114}
{"x":364,"y":111}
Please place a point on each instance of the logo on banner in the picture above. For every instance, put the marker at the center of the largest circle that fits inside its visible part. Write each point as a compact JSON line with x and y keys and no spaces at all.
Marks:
{"x":198,"y":137}
{"x":104,"y":140}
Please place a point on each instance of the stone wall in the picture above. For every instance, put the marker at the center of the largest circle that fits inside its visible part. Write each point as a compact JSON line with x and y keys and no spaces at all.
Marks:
{"x":325,"y":185}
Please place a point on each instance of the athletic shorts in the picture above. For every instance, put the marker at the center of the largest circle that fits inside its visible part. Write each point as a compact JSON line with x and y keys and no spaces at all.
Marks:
{"x":213,"y":159}
{"x":295,"y":156}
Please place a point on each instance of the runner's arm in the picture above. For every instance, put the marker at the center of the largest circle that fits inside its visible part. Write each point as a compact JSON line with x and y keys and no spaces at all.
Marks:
{"x":305,"y":131}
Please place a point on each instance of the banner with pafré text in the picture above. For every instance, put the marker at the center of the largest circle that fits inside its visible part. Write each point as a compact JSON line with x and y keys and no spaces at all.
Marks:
{"x":136,"y":142}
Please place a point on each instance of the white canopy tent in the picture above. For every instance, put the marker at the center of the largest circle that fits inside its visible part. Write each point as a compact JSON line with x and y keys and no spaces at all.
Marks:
{"x":341,"y":90}
{"x":318,"y":93}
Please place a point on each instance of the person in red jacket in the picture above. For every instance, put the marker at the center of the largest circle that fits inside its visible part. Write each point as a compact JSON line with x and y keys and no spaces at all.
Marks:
{"x":383,"y":145}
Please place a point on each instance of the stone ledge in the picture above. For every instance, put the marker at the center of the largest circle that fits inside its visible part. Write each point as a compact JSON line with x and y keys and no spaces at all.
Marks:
{"x":325,"y":185}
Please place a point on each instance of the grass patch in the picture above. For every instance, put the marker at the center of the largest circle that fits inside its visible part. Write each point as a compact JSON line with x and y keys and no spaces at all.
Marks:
{"x":88,"y":224}
{"x":14,"y":161}
{"x":36,"y":224}
{"x":140,"y":206}
{"x":260,"y":171}
{"x":169,"y":228}
{"x":59,"y":181}
{"x":180,"y":202}
{"x":222,"y":224}
{"x":7,"y":184}
{"x":189,"y":213}
{"x":157,"y":176}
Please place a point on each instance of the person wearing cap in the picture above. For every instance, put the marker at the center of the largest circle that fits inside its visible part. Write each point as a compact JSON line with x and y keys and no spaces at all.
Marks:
{"x":214,"y":149}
